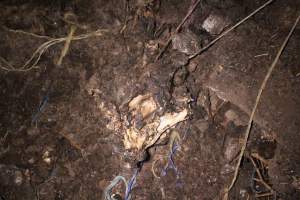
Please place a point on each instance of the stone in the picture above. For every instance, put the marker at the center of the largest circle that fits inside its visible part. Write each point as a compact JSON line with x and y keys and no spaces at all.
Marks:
{"x":215,"y":23}
{"x":186,"y":42}
{"x":18,"y":178}
{"x":233,"y":116}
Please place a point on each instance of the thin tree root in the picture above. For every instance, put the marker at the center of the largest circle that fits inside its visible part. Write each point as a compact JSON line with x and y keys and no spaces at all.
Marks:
{"x":262,"y":87}
{"x":153,"y":167}
{"x":32,"y":62}
{"x":67,"y":45}
{"x":260,"y":177}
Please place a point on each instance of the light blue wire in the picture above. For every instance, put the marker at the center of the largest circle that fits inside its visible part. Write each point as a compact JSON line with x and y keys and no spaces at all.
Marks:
{"x":40,"y":108}
{"x":117,"y":179}
{"x":108,"y":189}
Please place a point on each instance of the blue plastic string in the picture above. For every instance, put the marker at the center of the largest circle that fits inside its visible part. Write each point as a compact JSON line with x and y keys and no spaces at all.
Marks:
{"x":108,"y":189}
{"x":131,"y":184}
{"x":171,"y":163}
{"x":40,"y":108}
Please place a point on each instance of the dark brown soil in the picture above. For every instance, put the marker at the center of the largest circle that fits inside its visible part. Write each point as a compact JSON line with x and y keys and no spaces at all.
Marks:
{"x":74,"y":146}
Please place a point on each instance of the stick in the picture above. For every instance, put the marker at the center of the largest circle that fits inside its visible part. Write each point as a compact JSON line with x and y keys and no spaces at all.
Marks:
{"x":262,"y":87}
{"x":229,"y":30}
{"x":177,"y":29}
{"x":67,"y":45}
{"x":261,"y":179}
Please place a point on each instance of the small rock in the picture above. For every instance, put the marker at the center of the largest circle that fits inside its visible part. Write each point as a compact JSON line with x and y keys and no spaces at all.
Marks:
{"x":215,"y":23}
{"x":27,"y":174}
{"x":209,"y":100}
{"x":243,"y":193}
{"x":46,"y":157}
{"x":179,"y":59}
{"x":180,"y":95}
{"x":186,"y":42}
{"x":127,"y":165}
{"x":18,"y":178}
{"x":192,"y":66}
{"x":233,"y":116}
{"x":296,"y":183}
{"x":31,"y":161}
{"x":151,"y":47}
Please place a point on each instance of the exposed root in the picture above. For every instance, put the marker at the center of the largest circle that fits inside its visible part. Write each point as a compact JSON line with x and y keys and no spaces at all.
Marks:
{"x":27,"y":33}
{"x":268,"y":194}
{"x":32,"y":62}
{"x":153,"y":167}
{"x":262,"y":87}
{"x":173,"y":138}
{"x":72,"y":142}
{"x":258,"y":157}
{"x":67,"y":45}
{"x":260,"y":177}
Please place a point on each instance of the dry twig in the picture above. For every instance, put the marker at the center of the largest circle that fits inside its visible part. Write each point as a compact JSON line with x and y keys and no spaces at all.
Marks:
{"x":268,"y":194}
{"x":262,"y":87}
{"x":153,"y":166}
{"x":67,"y":45}
{"x":260,"y":177}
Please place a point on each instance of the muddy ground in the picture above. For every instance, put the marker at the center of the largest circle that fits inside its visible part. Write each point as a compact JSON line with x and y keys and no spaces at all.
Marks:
{"x":67,"y":130}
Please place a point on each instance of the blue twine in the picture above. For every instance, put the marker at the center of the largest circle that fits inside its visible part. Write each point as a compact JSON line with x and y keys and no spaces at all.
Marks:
{"x":40,"y":108}
{"x":171,"y":163}
{"x":130,"y":184}
{"x":108,"y":189}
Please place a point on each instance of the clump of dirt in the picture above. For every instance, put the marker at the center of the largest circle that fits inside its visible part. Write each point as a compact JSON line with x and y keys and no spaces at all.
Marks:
{"x":112,"y":108}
